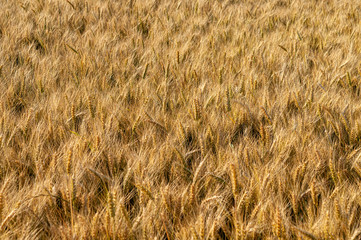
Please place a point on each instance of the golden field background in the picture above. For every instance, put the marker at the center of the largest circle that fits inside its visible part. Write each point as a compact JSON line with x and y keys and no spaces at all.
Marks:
{"x":161,"y":119}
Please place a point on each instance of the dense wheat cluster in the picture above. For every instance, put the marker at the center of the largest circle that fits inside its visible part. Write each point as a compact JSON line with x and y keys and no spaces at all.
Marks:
{"x":160,"y":119}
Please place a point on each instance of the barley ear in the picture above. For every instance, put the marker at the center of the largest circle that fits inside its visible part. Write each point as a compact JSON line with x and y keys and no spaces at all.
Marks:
{"x":111,"y":204}
{"x":196,"y":109}
{"x":90,"y":107}
{"x":192,"y":194}
{"x":313,"y":193}
{"x":233,"y":175}
{"x":126,"y":216}
{"x":69,"y":164}
{"x":278,"y":225}
{"x":73,"y":116}
{"x":333,"y":172}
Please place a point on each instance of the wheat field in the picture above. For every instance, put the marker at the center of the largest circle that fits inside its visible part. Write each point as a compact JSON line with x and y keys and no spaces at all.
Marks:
{"x":160,"y":119}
